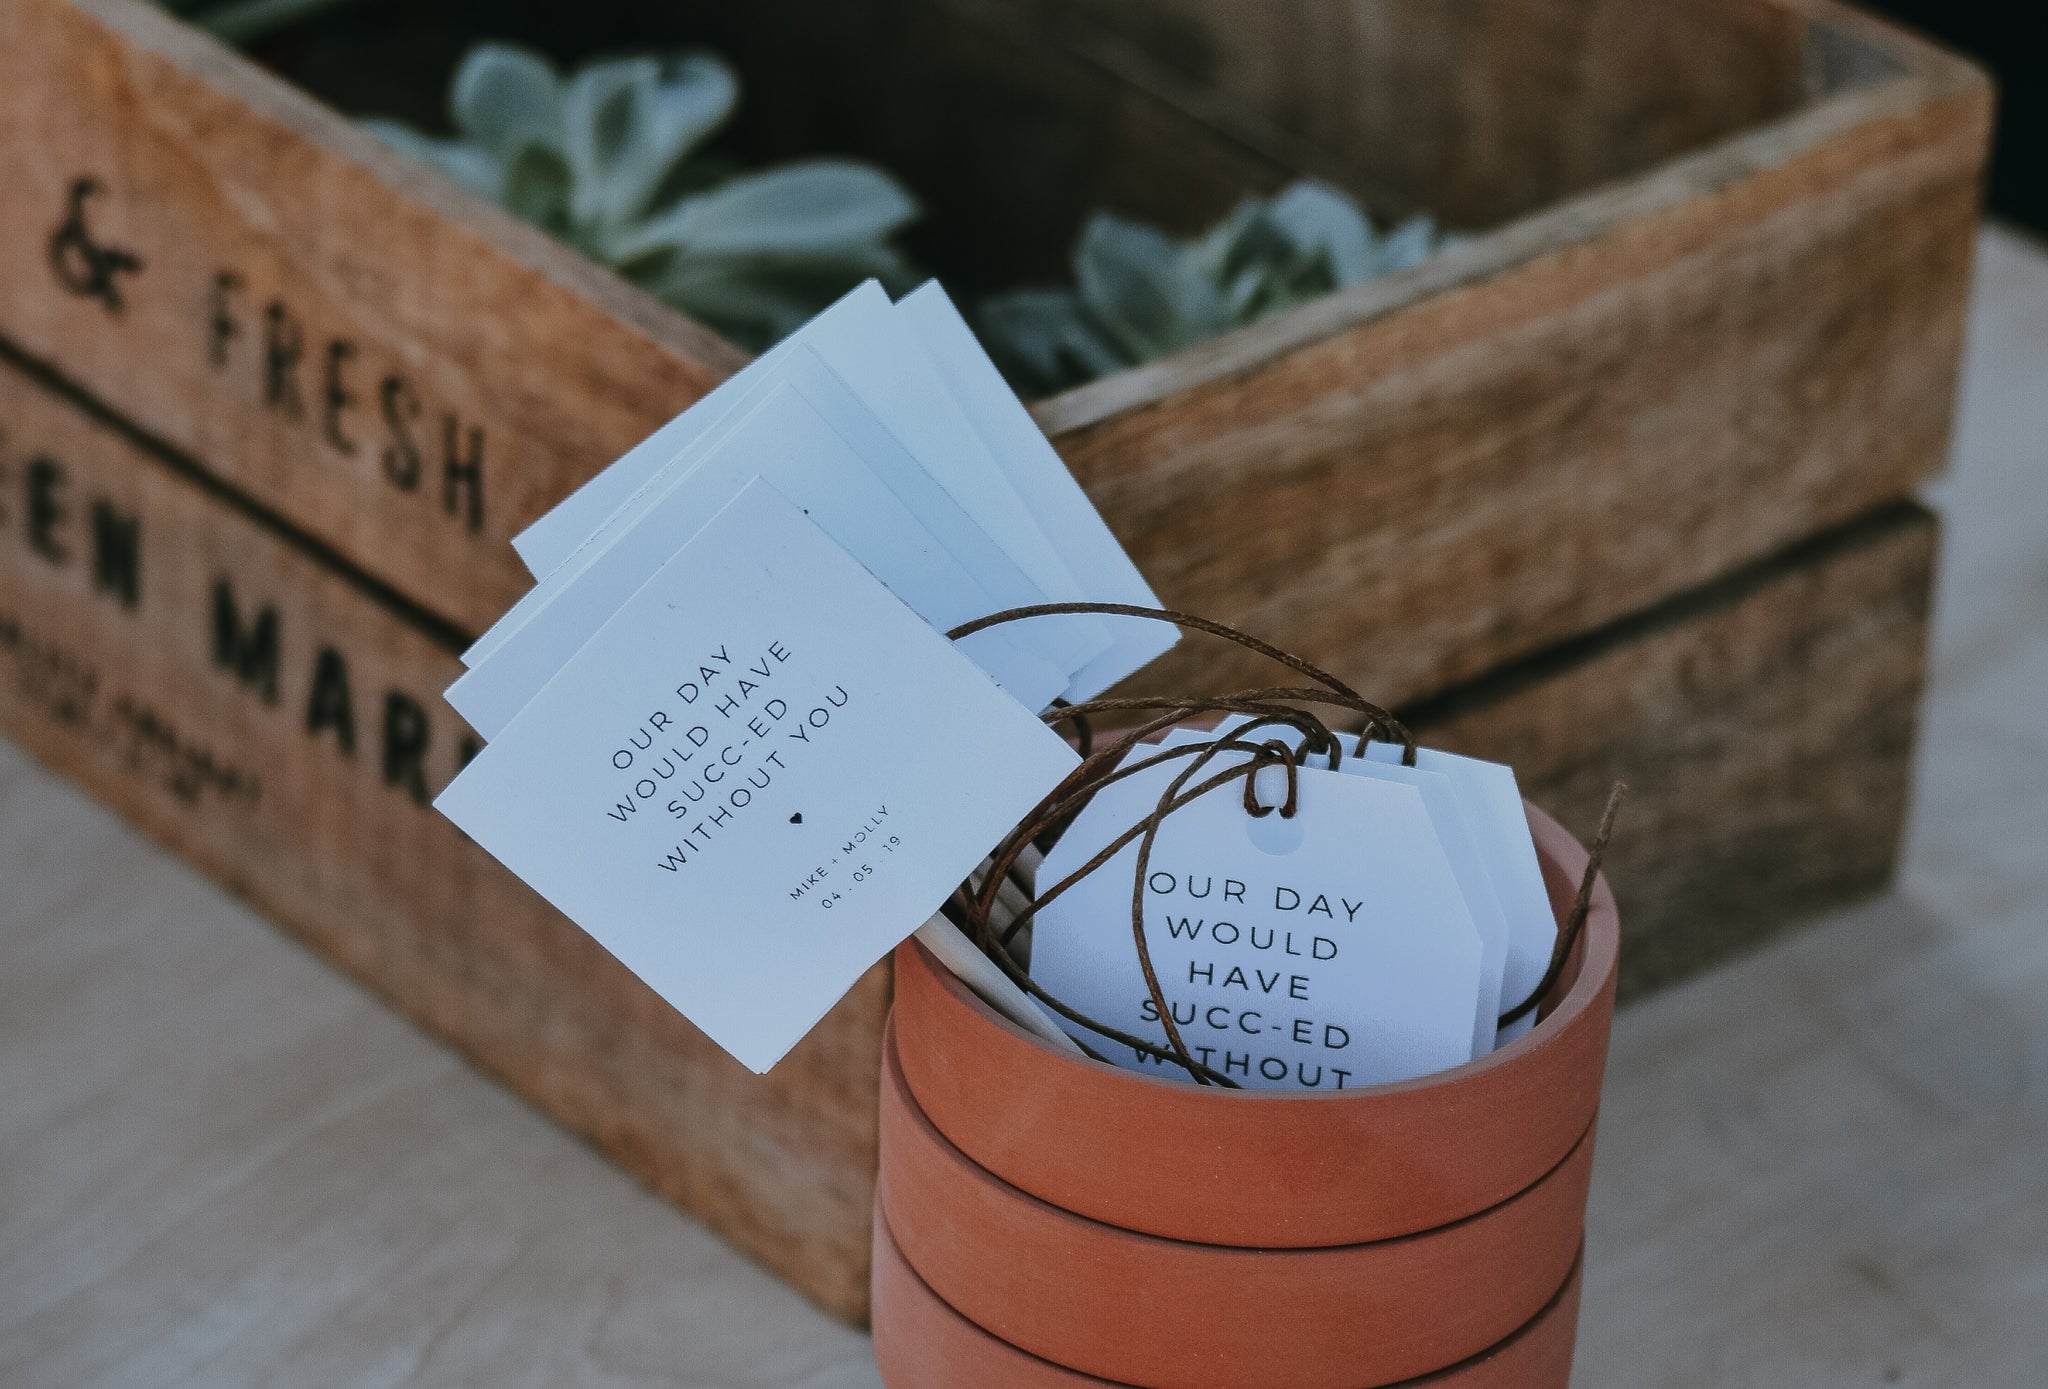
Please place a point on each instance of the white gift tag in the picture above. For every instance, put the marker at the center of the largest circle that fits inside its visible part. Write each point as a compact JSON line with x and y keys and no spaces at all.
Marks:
{"x":1329,"y":950}
{"x":551,"y":539}
{"x":1500,"y":823}
{"x":1096,"y":558}
{"x":786,"y":439}
{"x":748,"y":786}
{"x":800,"y":370}
{"x":871,"y":350}
{"x":1447,"y":817}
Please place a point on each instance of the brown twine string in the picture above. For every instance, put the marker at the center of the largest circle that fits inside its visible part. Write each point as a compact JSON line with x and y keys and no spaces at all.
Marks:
{"x":1008,"y":963}
{"x":1263,"y":755}
{"x":1582,"y":906}
{"x":1105,"y":760}
{"x":1084,"y":731}
{"x":1047,"y":896}
{"x":1058,"y":810}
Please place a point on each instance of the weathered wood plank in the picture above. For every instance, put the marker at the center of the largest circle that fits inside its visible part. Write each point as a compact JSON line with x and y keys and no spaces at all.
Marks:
{"x":1765,"y":726}
{"x":1420,"y":479}
{"x":1472,"y":110}
{"x":1741,"y":346}
{"x":393,"y":366}
{"x":256,"y":709}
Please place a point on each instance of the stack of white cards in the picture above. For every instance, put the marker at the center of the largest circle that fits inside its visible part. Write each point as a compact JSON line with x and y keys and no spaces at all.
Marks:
{"x":890,"y":428}
{"x":726,"y":735}
{"x":1376,"y":935}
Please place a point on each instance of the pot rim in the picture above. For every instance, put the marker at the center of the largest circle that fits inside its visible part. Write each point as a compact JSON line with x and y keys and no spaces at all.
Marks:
{"x":1438,"y":1147}
{"x":894,"y":1080}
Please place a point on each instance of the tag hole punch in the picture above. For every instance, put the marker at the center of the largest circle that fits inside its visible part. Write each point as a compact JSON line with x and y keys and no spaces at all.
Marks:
{"x":1277,"y":835}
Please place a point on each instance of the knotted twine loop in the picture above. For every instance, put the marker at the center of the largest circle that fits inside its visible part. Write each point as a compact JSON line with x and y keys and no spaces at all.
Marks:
{"x":1271,"y":709}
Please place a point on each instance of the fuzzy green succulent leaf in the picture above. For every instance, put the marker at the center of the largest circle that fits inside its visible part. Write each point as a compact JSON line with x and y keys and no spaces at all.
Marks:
{"x":504,"y":99}
{"x":609,"y":160}
{"x":1045,"y":338}
{"x":628,"y":124}
{"x":1317,"y":218}
{"x":1262,"y":269}
{"x":605,"y":120}
{"x":822,"y":209}
{"x":755,"y":303}
{"x":1246,"y":244}
{"x":1411,"y":243}
{"x":746,"y":307}
{"x":537,"y":185}
{"x":1140,"y":290}
{"x":1140,"y":294}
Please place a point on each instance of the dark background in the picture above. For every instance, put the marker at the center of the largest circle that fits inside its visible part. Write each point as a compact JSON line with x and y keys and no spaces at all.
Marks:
{"x":408,"y":78}
{"x":2010,"y":37}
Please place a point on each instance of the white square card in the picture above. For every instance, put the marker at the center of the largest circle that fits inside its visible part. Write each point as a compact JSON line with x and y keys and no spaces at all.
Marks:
{"x":759,"y":775}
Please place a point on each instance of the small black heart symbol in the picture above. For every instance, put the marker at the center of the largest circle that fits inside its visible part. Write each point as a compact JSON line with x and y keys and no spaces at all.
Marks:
{"x":796,"y":819}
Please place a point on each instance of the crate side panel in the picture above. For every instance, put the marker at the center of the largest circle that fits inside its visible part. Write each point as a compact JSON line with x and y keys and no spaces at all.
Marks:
{"x":264,"y":717}
{"x":400,"y":371}
{"x":1766,"y":737}
{"x":1474,"y":475}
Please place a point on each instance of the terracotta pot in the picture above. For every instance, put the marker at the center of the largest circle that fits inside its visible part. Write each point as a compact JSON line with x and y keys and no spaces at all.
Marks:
{"x":1264,"y":1169}
{"x":1051,"y":1220}
{"x":1137,"y":1309}
{"x":921,"y":1343}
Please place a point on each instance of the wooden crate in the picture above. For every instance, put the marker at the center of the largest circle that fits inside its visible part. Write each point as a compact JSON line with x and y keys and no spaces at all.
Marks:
{"x":252,"y":704}
{"x":1765,"y":724}
{"x":272,"y":402}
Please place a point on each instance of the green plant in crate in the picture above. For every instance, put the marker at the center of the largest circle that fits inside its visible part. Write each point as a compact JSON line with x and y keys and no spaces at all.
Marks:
{"x":608,"y":160}
{"x":1139,"y":294}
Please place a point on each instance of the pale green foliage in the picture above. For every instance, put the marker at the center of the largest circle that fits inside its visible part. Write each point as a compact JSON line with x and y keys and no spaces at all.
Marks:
{"x":602,"y":159}
{"x":1139,"y":294}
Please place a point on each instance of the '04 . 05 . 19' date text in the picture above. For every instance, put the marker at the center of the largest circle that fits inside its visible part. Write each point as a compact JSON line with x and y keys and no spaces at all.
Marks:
{"x":855,"y":861}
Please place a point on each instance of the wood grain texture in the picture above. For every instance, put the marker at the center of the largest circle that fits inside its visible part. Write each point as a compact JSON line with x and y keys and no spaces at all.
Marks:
{"x":263,"y":714}
{"x":1765,"y":727}
{"x":1822,"y":1165}
{"x":1474,"y":111}
{"x":1601,"y":405}
{"x":397,"y":368}
{"x":337,"y":332}
{"x":1737,"y":346}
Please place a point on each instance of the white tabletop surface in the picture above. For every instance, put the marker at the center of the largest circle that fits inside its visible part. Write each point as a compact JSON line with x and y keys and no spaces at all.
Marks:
{"x":222,"y":1164}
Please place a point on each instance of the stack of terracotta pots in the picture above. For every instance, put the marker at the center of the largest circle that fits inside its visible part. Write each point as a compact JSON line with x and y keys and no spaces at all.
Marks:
{"x":1043,"y":1220}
